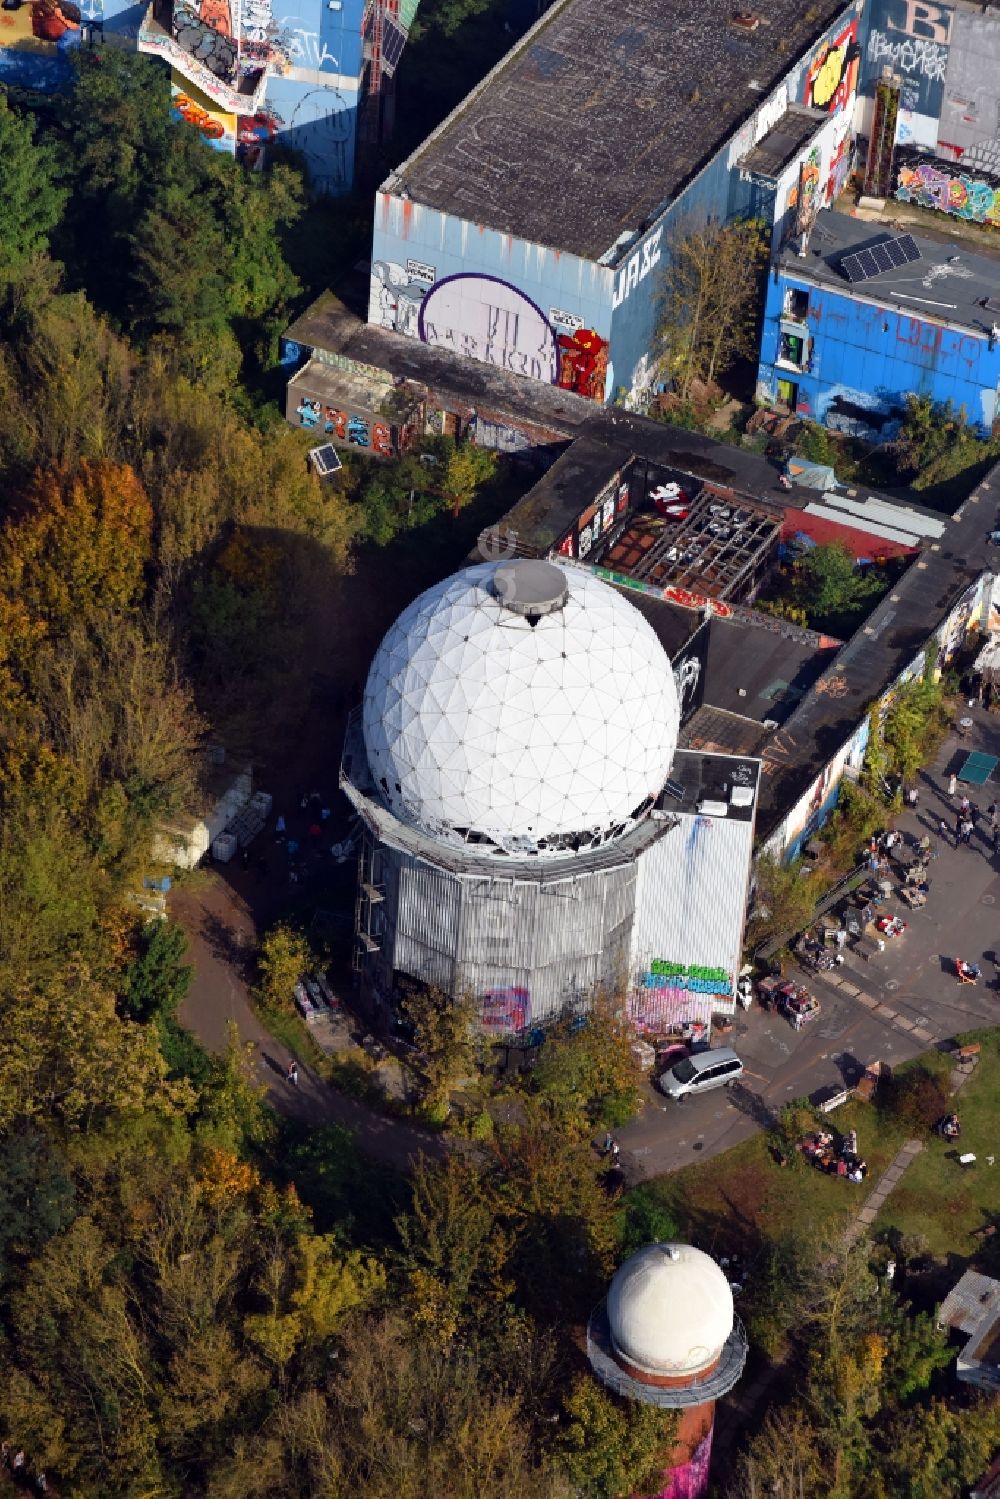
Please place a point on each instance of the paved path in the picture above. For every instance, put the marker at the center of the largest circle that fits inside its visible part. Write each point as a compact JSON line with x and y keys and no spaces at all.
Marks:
{"x":221,"y":940}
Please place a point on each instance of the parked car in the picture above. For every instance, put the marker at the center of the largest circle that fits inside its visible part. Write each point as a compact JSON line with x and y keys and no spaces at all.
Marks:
{"x":700,"y":1073}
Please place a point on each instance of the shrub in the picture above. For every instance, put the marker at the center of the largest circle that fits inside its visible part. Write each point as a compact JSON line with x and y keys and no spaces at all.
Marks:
{"x":919,"y":1097}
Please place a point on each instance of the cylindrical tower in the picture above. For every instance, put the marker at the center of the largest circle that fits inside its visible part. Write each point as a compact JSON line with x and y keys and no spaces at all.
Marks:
{"x":668,"y":1335}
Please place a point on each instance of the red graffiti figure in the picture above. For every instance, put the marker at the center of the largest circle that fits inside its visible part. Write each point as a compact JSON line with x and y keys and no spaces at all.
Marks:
{"x":583,"y":363}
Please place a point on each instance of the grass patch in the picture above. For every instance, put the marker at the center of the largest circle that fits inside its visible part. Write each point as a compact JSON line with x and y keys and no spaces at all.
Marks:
{"x":936,"y":1198}
{"x":291,"y":1030}
{"x":739,"y":1201}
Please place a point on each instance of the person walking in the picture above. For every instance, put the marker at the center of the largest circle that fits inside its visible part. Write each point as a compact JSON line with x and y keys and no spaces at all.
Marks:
{"x":912,"y":797}
{"x":942,"y":828}
{"x":952,"y":784}
{"x":964,"y":806}
{"x":991,"y":813}
{"x":292,"y":1075}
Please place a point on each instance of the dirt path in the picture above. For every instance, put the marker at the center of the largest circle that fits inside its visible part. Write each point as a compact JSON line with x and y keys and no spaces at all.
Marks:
{"x":221,"y":937}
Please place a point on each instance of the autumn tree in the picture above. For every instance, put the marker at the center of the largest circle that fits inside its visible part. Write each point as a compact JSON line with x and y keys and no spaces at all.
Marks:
{"x":454,"y":1250}
{"x":81,"y":545}
{"x":588,"y":1069}
{"x":284,"y":956}
{"x":611,"y":1447}
{"x":443,"y":1037}
{"x":709,"y":300}
{"x":782,"y":902}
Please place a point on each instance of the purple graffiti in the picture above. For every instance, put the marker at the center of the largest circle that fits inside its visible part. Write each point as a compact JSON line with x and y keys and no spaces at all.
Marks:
{"x":487,"y":319}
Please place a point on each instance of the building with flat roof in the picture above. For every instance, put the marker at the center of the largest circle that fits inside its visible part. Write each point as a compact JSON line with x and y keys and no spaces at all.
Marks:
{"x":531,"y":229}
{"x":972,"y":1309}
{"x":869,"y":316}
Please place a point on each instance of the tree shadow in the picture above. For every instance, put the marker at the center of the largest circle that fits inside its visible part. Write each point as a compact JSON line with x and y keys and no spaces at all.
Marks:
{"x":230,"y":945}
{"x":752,"y":1105}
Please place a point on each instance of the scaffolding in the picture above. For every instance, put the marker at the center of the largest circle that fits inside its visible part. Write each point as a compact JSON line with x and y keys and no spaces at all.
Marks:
{"x":369,"y":903}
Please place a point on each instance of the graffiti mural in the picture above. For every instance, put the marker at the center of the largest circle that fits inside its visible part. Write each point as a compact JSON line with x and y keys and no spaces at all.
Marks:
{"x":204,"y":29}
{"x":254,"y":133}
{"x":912,"y":37}
{"x":505,"y":1010}
{"x":690,"y":1480}
{"x":352,"y":430}
{"x":35,"y":41}
{"x":485,"y":318}
{"x":583,"y":363}
{"x":215,"y":126}
{"x":832,"y":76}
{"x":932,"y":184}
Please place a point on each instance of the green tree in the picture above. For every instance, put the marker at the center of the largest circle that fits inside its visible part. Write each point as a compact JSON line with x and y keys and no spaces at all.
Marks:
{"x":30,"y":202}
{"x":829,"y":584}
{"x":443,"y":1037}
{"x":709,"y":300}
{"x":611,"y":1447}
{"x":157,"y":979}
{"x":588,"y":1069}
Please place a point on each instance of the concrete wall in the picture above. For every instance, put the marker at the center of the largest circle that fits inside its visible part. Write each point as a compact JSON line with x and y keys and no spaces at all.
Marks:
{"x":489,"y":296}
{"x":862,"y":360}
{"x":552,"y":316}
{"x":947,"y":57}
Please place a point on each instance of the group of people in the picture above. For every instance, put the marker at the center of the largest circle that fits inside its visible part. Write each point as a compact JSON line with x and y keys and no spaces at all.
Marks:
{"x":819,"y":1148}
{"x":966,"y":819}
{"x":950,"y":1127}
{"x":17,"y":1464}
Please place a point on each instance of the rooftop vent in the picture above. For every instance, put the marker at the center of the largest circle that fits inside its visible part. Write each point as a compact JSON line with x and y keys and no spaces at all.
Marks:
{"x":530,"y":588}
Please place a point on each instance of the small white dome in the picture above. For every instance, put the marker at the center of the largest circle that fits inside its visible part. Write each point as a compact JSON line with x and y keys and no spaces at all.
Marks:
{"x":670,"y":1310}
{"x":523,"y":707}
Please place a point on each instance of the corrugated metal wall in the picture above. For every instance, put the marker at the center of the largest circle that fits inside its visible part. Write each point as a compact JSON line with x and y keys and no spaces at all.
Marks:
{"x":691,"y":895}
{"x":553,"y":942}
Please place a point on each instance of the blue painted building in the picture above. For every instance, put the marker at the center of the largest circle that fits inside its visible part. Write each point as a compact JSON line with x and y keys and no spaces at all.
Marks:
{"x":532,"y":229}
{"x":313,"y":75}
{"x":847,"y":354}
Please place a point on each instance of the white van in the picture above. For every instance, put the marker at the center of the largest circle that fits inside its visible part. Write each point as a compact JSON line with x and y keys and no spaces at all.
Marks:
{"x":706,"y":1069}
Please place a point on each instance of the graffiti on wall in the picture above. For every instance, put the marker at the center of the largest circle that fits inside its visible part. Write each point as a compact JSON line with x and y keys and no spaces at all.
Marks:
{"x":216,"y":126}
{"x":506,"y":1010}
{"x":637,"y":267}
{"x":352,"y":430}
{"x":968,"y":129}
{"x":205,"y":30}
{"x":690,"y":1480}
{"x":583,"y":363}
{"x":484,"y":318}
{"x":656,"y":1011}
{"x":832,"y":76}
{"x":931,"y":184}
{"x":912,"y":38}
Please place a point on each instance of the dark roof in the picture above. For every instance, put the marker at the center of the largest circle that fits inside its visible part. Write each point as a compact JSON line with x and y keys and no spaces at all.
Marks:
{"x":713,"y":729}
{"x":710,"y":777}
{"x":674,"y":627}
{"x":874,"y":657}
{"x":783,"y":141}
{"x":551,"y":507}
{"x":760,"y":673}
{"x":948,"y":282}
{"x":327,"y":324}
{"x":603,"y":113}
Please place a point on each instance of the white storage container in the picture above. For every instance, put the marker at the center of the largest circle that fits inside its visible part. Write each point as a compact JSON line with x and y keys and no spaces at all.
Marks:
{"x":223,"y":848}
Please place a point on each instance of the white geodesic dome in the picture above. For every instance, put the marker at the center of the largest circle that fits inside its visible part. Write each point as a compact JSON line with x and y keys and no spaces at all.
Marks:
{"x":534,"y":732}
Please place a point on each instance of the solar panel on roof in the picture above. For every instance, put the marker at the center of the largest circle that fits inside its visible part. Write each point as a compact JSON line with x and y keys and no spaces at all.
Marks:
{"x":325,"y":460}
{"x":887,"y":255}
